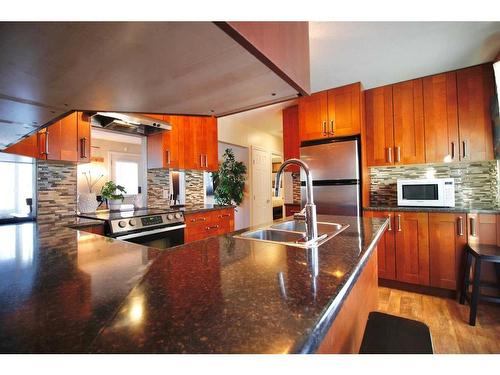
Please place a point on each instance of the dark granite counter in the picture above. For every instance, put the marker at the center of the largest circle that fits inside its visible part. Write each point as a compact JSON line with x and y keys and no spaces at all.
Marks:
{"x":192,"y":209}
{"x":471,"y":210}
{"x":68,"y":291}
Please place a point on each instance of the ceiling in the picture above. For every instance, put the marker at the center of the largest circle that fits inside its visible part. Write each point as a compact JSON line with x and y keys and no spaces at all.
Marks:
{"x":380,"y":53}
{"x":268,"y":119}
{"x":50,"y":68}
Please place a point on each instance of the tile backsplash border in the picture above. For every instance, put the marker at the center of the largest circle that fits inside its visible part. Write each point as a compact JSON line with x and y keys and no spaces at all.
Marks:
{"x":476,"y":183}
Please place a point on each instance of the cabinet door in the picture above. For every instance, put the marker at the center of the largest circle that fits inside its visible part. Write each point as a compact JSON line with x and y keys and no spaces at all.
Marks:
{"x":313,"y":116}
{"x":194,"y":145}
{"x":344,"y":114}
{"x":67,"y":140}
{"x":408,"y":122}
{"x":211,"y":144}
{"x":447,"y":240}
{"x":386,"y":255}
{"x":173,"y":142}
{"x":291,"y":140}
{"x":225,"y":219}
{"x":379,"y":128}
{"x":26,"y":147}
{"x":412,"y":247}
{"x":475,"y":88}
{"x":84,"y":137}
{"x":441,"y":118}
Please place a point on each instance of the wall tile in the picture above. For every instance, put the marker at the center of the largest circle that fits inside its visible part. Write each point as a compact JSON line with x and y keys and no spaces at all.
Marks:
{"x":476,"y":183}
{"x":195,"y":193}
{"x":296,"y":188}
{"x":158,"y":179}
{"x":56,"y":192}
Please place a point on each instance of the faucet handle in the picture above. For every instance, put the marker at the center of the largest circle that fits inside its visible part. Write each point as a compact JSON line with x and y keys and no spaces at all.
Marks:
{"x":300,"y":215}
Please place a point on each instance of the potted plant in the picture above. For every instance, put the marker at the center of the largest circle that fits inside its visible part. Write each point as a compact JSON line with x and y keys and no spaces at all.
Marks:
{"x":229,"y":180}
{"x":109,"y":192}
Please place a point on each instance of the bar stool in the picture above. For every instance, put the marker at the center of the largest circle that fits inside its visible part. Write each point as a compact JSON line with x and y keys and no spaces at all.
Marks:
{"x":480,"y":253}
{"x":390,"y":334}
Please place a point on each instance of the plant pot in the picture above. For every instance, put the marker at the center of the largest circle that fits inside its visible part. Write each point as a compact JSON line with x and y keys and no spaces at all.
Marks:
{"x":115,"y":204}
{"x":87,"y":202}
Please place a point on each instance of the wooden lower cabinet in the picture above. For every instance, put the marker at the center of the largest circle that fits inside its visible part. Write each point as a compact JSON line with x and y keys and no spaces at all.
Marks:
{"x":386,"y":247}
{"x":208,"y":223}
{"x":291,"y":209}
{"x":412,"y":247}
{"x":447,"y":240}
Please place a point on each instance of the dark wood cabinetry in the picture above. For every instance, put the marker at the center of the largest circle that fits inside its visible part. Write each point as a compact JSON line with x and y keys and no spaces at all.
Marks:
{"x":209,"y":223}
{"x":447,"y":240}
{"x":331,"y":113}
{"x":475,"y":89}
{"x":165,"y":149}
{"x":84,"y":137}
{"x":386,"y":247}
{"x":409,"y":147}
{"x":379,"y":126}
{"x":29,"y":146}
{"x":412,"y":247}
{"x":441,"y":118}
{"x":291,"y":209}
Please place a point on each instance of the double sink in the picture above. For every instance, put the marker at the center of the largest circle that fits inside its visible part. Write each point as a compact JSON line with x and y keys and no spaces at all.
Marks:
{"x":293,"y":233}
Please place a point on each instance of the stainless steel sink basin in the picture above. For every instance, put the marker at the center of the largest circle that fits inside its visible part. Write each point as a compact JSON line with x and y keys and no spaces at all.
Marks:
{"x":299,"y":226}
{"x":274,"y":235}
{"x":292,"y":233}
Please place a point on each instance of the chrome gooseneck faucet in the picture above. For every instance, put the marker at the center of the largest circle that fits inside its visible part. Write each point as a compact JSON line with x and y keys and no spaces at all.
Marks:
{"x":308,"y":214}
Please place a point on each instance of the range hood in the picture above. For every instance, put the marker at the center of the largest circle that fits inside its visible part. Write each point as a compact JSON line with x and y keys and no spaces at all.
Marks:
{"x":128,"y":123}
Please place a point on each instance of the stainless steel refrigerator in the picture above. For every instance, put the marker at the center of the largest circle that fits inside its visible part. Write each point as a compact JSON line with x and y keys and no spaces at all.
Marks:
{"x":335,"y":169}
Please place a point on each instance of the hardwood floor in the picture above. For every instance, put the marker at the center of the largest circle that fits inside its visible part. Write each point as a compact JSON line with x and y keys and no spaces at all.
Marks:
{"x":447,"y":320}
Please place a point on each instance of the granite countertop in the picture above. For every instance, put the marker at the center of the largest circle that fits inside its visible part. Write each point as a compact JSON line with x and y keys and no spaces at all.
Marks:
{"x":62,"y":290}
{"x":471,"y":210}
{"x":195,"y":208}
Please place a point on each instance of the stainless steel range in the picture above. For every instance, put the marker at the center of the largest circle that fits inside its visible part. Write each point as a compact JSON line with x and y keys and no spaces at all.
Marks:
{"x":149,"y":227}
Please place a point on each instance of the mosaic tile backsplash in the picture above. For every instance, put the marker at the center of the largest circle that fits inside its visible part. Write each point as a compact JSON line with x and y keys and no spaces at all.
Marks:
{"x":158,"y":179}
{"x":195,"y":193}
{"x":56,"y":192}
{"x":476,"y":183}
{"x":296,"y":188}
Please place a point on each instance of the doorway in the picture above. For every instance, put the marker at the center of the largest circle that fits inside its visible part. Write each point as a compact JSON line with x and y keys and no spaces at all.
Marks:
{"x":261,"y":186}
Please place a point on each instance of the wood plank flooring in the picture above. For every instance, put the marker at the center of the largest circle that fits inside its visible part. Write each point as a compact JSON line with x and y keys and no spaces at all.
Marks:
{"x":447,"y":320}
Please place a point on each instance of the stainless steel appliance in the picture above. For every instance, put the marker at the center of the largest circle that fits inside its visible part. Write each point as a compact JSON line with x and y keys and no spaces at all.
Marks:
{"x":435,"y":192}
{"x":334,"y":164}
{"x":155,"y":228}
{"x":128,"y":123}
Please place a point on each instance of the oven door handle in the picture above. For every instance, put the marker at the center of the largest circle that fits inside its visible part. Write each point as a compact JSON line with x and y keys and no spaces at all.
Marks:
{"x":153,"y":231}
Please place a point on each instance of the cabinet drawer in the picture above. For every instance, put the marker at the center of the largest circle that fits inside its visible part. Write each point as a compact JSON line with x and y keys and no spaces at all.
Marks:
{"x":225,"y":218}
{"x":196,"y":223}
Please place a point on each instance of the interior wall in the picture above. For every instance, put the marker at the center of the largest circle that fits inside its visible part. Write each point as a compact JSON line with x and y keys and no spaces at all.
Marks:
{"x":243,"y":212}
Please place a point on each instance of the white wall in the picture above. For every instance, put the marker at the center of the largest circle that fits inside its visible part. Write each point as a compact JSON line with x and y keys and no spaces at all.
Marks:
{"x":242,"y":212}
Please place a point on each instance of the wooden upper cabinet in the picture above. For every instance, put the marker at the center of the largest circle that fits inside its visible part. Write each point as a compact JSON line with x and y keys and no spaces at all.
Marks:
{"x":291,"y":141}
{"x":379,"y":128}
{"x":84,"y":137}
{"x":412,"y":247}
{"x":447,"y":240}
{"x":475,"y":89}
{"x":313,"y":116}
{"x":26,"y":147}
{"x":195,"y":143}
{"x":59,"y":141}
{"x":409,"y":139}
{"x":441,"y":118}
{"x":332,"y":113}
{"x":211,"y":144}
{"x":344,"y":116}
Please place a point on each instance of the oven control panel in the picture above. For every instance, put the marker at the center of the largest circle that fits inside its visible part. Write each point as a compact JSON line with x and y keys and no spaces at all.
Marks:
{"x":124,"y":225}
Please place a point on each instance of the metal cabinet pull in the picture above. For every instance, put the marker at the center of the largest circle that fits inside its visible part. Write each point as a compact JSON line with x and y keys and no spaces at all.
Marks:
{"x":389,"y":227}
{"x":460,"y":226}
{"x":213,"y":227}
{"x":201,"y":160}
{"x":206,"y":161}
{"x":47,"y":143}
{"x":452,"y":150}
{"x":398,"y":217}
{"x":389,"y":154}
{"x":198,"y":219}
{"x":464,"y":149}
{"x":224,"y":215}
{"x":398,"y":154}
{"x":332,"y":127}
{"x":167,"y":155}
{"x":83,"y":146}
{"x":324,"y":127}
{"x":472,"y":226}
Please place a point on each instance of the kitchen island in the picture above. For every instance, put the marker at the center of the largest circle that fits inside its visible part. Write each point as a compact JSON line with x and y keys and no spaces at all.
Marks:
{"x":66,"y":291}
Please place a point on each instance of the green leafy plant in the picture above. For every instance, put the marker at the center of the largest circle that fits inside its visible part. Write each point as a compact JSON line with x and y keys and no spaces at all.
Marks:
{"x":229,"y":180}
{"x":109,"y":191}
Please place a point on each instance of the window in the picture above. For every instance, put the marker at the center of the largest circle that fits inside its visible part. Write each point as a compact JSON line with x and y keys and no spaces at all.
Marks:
{"x":126,"y":171}
{"x":17,"y":186}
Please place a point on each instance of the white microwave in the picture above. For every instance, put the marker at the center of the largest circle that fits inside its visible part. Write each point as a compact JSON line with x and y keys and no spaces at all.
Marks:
{"x":436,"y":192}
